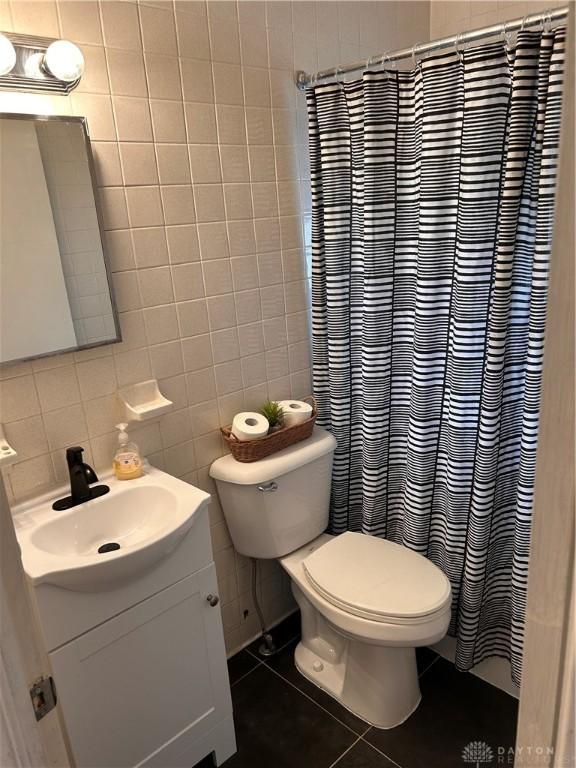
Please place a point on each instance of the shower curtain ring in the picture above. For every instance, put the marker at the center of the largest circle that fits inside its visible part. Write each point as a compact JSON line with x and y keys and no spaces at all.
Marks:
{"x":547,"y":21}
{"x":506,"y":34}
{"x":523,"y":22}
{"x":385,"y":59}
{"x":414,"y":62}
{"x":337,"y":77}
{"x":457,"y":45}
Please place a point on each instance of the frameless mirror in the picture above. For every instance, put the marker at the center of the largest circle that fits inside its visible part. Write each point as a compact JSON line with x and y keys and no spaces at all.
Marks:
{"x":55,"y":291}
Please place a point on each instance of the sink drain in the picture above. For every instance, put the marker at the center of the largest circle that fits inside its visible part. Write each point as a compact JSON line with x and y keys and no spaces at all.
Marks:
{"x":112,"y":546}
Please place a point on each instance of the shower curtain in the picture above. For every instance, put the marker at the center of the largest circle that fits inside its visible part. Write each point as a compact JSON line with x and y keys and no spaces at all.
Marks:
{"x":432,"y":212}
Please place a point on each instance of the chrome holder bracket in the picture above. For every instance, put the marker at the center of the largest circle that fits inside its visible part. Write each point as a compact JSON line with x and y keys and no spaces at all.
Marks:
{"x":302,"y":80}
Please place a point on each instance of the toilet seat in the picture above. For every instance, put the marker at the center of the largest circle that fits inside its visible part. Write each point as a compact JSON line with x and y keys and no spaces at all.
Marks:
{"x":377,"y":580}
{"x":408,"y":632}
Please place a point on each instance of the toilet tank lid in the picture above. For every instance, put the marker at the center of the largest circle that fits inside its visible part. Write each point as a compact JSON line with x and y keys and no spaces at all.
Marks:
{"x":229,"y":470}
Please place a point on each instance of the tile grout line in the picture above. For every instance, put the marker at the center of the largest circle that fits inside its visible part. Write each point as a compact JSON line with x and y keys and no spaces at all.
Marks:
{"x":245,"y":674}
{"x":259,"y":661}
{"x":428,"y":667}
{"x":360,"y":737}
{"x":335,"y":763}
{"x":284,"y":680}
{"x":368,"y":728}
{"x":379,"y":750}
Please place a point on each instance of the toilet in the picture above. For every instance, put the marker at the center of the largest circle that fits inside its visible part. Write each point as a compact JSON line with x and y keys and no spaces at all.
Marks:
{"x":366,"y":603}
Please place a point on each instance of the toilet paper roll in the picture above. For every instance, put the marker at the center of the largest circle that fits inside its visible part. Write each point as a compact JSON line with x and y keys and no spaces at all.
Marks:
{"x":295,"y":411}
{"x":250,"y":426}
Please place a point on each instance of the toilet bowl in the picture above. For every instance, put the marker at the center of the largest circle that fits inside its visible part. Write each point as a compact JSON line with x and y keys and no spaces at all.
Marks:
{"x":367,"y":661}
{"x":366,"y":603}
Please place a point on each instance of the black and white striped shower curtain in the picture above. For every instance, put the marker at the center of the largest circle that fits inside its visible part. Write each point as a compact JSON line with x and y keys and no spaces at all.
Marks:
{"x":433,"y":198}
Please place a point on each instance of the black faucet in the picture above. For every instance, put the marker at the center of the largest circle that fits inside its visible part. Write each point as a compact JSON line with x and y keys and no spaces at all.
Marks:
{"x":81,"y":476}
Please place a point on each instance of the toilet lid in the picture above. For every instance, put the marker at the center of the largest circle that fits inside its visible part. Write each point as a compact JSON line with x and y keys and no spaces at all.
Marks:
{"x":376,"y":578}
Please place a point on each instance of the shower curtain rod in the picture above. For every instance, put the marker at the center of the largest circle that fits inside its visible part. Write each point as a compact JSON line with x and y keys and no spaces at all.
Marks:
{"x":303,"y":79}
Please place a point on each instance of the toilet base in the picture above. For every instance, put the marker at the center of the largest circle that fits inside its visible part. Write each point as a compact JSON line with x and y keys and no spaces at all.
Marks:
{"x":380,"y":713}
{"x":377,"y":683}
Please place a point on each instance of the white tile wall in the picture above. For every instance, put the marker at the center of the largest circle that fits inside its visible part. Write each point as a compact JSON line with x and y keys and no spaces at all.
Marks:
{"x":448,"y":17}
{"x":199,"y":136}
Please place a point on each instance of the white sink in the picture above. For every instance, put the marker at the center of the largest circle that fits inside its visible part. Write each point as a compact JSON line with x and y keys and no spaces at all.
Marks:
{"x":147,"y":517}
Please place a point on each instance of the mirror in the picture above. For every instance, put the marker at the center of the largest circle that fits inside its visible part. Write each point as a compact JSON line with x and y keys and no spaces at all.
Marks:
{"x":55,"y":288}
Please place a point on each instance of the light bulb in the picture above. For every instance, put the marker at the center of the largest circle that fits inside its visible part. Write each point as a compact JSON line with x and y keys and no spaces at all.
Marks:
{"x":7,"y":55}
{"x":33,"y":65}
{"x":64,"y":60}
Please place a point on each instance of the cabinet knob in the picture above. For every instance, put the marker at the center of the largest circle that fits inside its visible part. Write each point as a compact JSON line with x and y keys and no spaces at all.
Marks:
{"x":213,"y":600}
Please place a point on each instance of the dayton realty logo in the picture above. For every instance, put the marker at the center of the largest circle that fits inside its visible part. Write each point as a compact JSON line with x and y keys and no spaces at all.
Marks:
{"x":478,"y":753}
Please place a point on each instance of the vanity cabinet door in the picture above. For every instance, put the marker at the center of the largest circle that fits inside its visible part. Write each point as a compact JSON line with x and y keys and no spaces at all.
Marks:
{"x":143,"y":687}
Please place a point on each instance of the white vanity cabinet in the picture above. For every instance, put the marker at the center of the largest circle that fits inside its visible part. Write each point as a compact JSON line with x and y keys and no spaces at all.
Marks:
{"x":149,"y":686}
{"x":140,"y":667}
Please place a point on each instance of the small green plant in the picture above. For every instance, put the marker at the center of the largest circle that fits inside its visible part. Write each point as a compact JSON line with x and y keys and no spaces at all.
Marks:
{"x":274,"y":413}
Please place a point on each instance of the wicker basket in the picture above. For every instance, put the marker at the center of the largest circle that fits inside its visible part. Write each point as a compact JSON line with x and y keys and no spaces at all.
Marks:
{"x":247,"y":451}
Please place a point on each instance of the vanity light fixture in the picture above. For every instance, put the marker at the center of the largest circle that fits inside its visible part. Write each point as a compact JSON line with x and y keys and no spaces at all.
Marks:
{"x":39,"y":64}
{"x":64,"y":61}
{"x":7,"y":55}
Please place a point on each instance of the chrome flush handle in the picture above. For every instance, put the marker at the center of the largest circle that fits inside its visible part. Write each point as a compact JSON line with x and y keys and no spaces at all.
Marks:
{"x":268,"y":487}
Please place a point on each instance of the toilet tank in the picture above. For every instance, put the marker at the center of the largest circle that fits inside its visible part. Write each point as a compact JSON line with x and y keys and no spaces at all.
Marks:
{"x":278,"y":504}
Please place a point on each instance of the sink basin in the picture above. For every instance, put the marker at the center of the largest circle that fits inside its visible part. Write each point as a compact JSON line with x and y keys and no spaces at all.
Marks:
{"x":110,"y":539}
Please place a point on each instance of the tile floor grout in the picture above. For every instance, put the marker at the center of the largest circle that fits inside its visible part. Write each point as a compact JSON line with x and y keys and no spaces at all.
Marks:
{"x":361,"y":737}
{"x":335,"y":763}
{"x":313,"y":700}
{"x":245,"y":674}
{"x":257,"y":659}
{"x":421,"y":674}
{"x":360,"y":742}
{"x":262,"y":662}
{"x":378,"y":750}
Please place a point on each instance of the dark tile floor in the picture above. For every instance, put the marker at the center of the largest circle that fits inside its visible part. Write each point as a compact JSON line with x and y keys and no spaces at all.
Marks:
{"x":284,"y":721}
